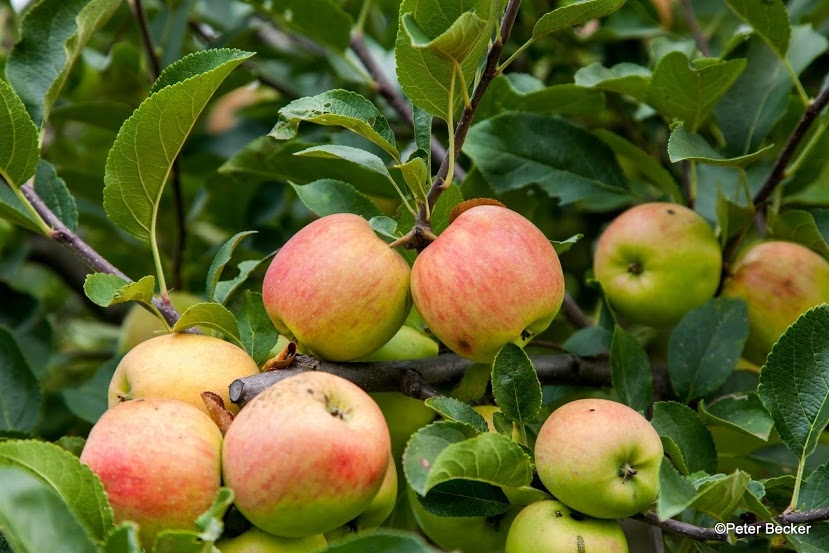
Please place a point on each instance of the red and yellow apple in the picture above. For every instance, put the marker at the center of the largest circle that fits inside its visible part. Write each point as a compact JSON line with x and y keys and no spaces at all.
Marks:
{"x":257,"y":541}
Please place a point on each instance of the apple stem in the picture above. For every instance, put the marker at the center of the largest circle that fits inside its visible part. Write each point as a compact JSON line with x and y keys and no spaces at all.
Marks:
{"x":627,"y":472}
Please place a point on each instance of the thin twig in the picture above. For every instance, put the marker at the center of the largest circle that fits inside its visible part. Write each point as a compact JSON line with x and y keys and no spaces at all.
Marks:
{"x":146,"y":39}
{"x":682,"y":528}
{"x":574,"y":313}
{"x":693,"y":25}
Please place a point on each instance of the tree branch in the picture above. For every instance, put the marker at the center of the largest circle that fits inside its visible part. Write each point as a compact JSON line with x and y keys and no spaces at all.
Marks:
{"x":574,"y":313}
{"x":682,"y":528}
{"x":693,"y":25}
{"x":146,"y":39}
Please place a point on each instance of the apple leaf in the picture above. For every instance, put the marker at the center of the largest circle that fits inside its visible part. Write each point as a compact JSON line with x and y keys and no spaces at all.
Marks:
{"x":630,"y":371}
{"x":75,"y":483}
{"x":769,"y":19}
{"x":798,"y":226}
{"x":523,"y":92}
{"x":684,"y":145}
{"x":515,"y":385}
{"x":455,"y":410}
{"x":816,"y":541}
{"x":563,"y":246}
{"x":225,"y":288}
{"x":348,"y":153}
{"x":732,"y":217}
{"x":465,"y":498}
{"x":123,"y":538}
{"x":19,"y":152}
{"x":719,"y":496}
{"x":89,"y":400}
{"x":210,"y":315}
{"x":383,"y":540}
{"x":53,"y":36}
{"x":450,"y":197}
{"x":181,"y":541}
{"x":337,"y":107}
{"x":416,"y":174}
{"x":675,"y":492}
{"x":815,"y":491}
{"x":211,"y":522}
{"x":327,"y":196}
{"x":20,"y":396}
{"x":385,"y":226}
{"x":623,"y":78}
{"x":220,"y":261}
{"x":740,"y":412}
{"x":425,"y":446}
{"x":589,"y":342}
{"x":149,"y":142}
{"x":693,"y":442}
{"x":104,"y":289}
{"x":794,"y":382}
{"x":54,"y":193}
{"x":323,"y":21}
{"x":34,"y":519}
{"x":574,"y":14}
{"x":256,"y":329}
{"x":705,"y":346}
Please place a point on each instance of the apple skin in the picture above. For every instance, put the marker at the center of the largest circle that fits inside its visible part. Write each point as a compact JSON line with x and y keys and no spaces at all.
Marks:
{"x":658,"y":261}
{"x":779,"y":281}
{"x":337,"y":288}
{"x":258,"y":541}
{"x":407,"y":343}
{"x":140,"y":325}
{"x":180,"y":366}
{"x":490,"y":278}
{"x":586,"y":454}
{"x":552,"y":527}
{"x":306,"y":455}
{"x":159,"y":461}
{"x":404,"y":416}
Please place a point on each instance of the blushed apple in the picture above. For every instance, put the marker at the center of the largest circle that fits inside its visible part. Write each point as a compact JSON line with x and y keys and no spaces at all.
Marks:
{"x":180,"y":366}
{"x":600,"y":458}
{"x":658,"y":261}
{"x":257,"y":541}
{"x":490,"y":278}
{"x":159,"y":461}
{"x":306,"y":455}
{"x":337,"y":288}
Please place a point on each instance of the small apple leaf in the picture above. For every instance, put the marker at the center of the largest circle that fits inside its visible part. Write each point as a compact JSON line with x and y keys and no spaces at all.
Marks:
{"x":416,"y":175}
{"x":523,"y":92}
{"x":323,"y":21}
{"x":794,"y":382}
{"x":256,"y":329}
{"x":123,"y":538}
{"x":425,"y":446}
{"x":816,"y":541}
{"x":337,"y":107}
{"x":450,"y":197}
{"x":455,"y":410}
{"x":684,"y":145}
{"x":383,"y":540}
{"x":719,"y":496}
{"x":384,"y":226}
{"x":490,"y":458}
{"x":348,"y":153}
{"x":515,"y":385}
{"x":502,"y":424}
{"x":63,"y":473}
{"x":732,"y":217}
{"x":753,"y":500}
{"x":465,"y":498}
{"x":564,"y":246}
{"x":623,"y":78}
{"x":104,"y":289}
{"x":181,"y":541}
{"x":693,"y":440}
{"x":20,"y":396}
{"x":743,"y":413}
{"x":327,"y":196}
{"x":705,"y":346}
{"x":220,"y":261}
{"x":589,"y":342}
{"x":798,"y":226}
{"x":815,"y":491}
{"x":630,"y":371}
{"x":54,"y":193}
{"x":34,"y":519}
{"x":571,"y":15}
{"x":211,"y":522}
{"x":769,"y":19}
{"x":19,"y":152}
{"x":225,"y":288}
{"x":675,"y":492}
{"x":210,"y":315}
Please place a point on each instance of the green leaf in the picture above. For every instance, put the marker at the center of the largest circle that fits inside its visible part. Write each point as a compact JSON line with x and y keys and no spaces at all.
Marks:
{"x":465,"y":498}
{"x":522,"y":92}
{"x":515,"y":385}
{"x":695,"y":450}
{"x":89,"y":400}
{"x":181,"y":541}
{"x":425,"y":446}
{"x":514,"y":150}
{"x":688,"y":92}
{"x":14,"y":211}
{"x":794,"y":382}
{"x":684,"y":145}
{"x":743,"y":413}
{"x":455,"y":410}
{"x":577,"y":13}
{"x":210,"y":315}
{"x":322,"y":21}
{"x":149,"y":142}
{"x":769,"y":19}
{"x":123,"y":539}
{"x":35,"y":520}
{"x":798,"y":226}
{"x":104,"y":289}
{"x":385,"y":226}
{"x":705,"y":346}
{"x":416,"y":175}
{"x":563,"y":246}
{"x":623,"y":78}
{"x":720,"y":496}
{"x":675,"y":492}
{"x":19,"y":152}
{"x":75,"y":483}
{"x":815,"y":491}
{"x":54,"y":33}
{"x":422,"y":121}
{"x":816,"y":541}
{"x":211,"y":522}
{"x":732,"y":218}
{"x":326,"y":196}
{"x":450,"y":197}
{"x":20,"y":397}
{"x":337,"y":107}
{"x":256,"y":329}
{"x":348,"y":153}
{"x":630,"y":371}
{"x":225,"y":288}
{"x":54,"y":193}
{"x":589,"y":342}
{"x":383,"y":540}
{"x":220,"y":261}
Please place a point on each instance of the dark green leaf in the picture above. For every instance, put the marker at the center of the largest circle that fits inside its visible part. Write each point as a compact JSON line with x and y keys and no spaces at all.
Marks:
{"x":89,"y":401}
{"x":382,"y":541}
{"x":508,"y":92}
{"x":220,"y":261}
{"x":684,"y":145}
{"x":769,"y":19}
{"x":732,"y":218}
{"x":563,"y":246}
{"x":816,"y":541}
{"x":327,"y":196}
{"x":624,"y":78}
{"x":104,"y":289}
{"x":20,"y":398}
{"x":323,"y":21}
{"x":385,"y":226}
{"x":815,"y":492}
{"x":675,"y":492}
{"x":225,"y":288}
{"x":743,"y":413}
{"x":589,"y":342}
{"x":630,"y":371}
{"x":798,"y":226}
{"x":53,"y":191}
{"x":465,"y":498}
{"x":455,"y":410}
{"x":210,"y":315}
{"x":719,"y":496}
{"x":577,"y":13}
{"x":693,"y":441}
{"x":256,"y":329}
{"x":515,"y":385}
{"x":422,"y":121}
{"x":19,"y":152}
{"x":425,"y":446}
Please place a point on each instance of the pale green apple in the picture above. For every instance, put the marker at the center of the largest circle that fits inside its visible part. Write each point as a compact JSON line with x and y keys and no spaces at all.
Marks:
{"x":404,"y":416}
{"x":258,"y":541}
{"x":140,"y":324}
{"x":779,"y":281}
{"x":552,"y":527}
{"x":489,"y":279}
{"x":658,"y":261}
{"x":337,"y":288}
{"x":600,"y":458}
{"x":407,"y":343}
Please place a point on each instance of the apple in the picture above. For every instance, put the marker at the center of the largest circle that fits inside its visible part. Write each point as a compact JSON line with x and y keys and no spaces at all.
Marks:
{"x":552,"y":526}
{"x":490,"y":278}
{"x":600,"y":458}
{"x":407,"y":343}
{"x":306,"y":455}
{"x":180,"y":366}
{"x":658,"y":261}
{"x":337,"y":288}
{"x":779,"y":281}
{"x":257,"y":541}
{"x":404,"y":416}
{"x":140,"y":324}
{"x":159,"y":461}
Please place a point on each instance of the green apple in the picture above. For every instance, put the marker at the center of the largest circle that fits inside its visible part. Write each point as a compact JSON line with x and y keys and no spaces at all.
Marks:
{"x":779,"y":281}
{"x":159,"y":461}
{"x":180,"y":366}
{"x":140,"y":324}
{"x":600,"y":458}
{"x":337,"y":288}
{"x":489,"y":279}
{"x":404,"y":416}
{"x":306,"y":455}
{"x":552,"y":527}
{"x":257,"y":541}
{"x":407,"y":343}
{"x":658,"y":261}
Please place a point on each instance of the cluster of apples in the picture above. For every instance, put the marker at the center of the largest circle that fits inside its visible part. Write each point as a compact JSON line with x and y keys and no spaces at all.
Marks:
{"x":658,"y":261}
